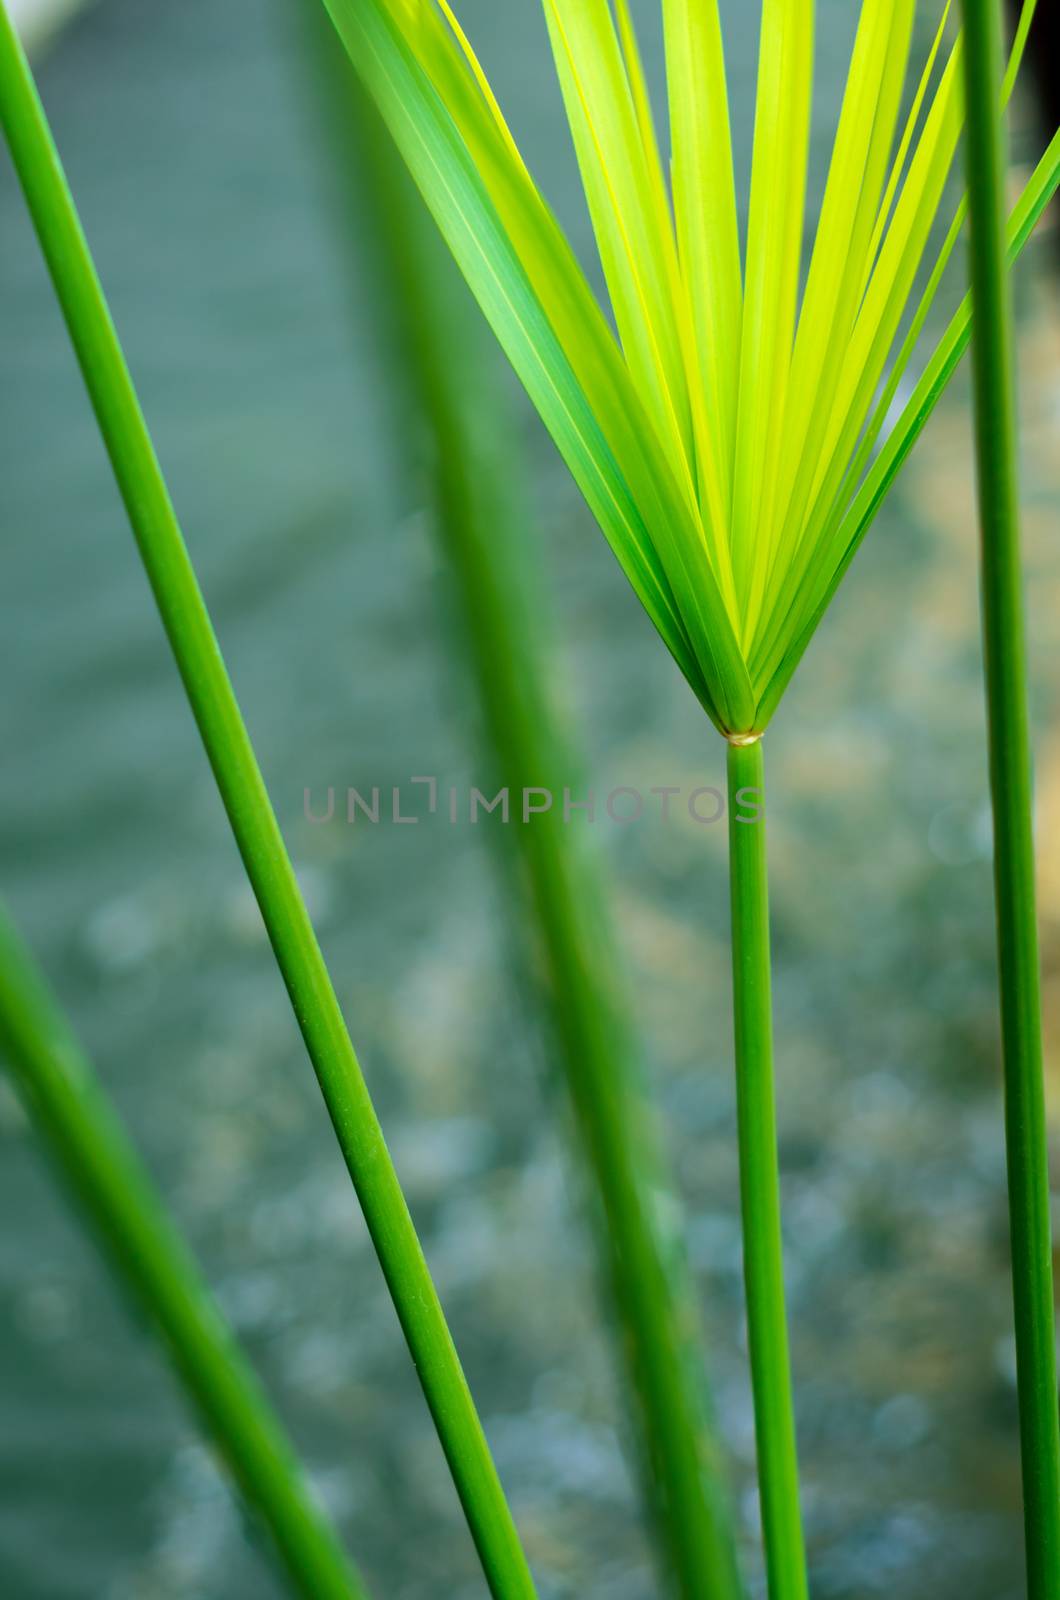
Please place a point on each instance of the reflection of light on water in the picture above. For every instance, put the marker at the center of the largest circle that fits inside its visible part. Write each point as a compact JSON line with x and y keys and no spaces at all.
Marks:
{"x":903,"y":393}
{"x":431,"y":1159}
{"x":557,"y":1451}
{"x":122,"y":934}
{"x":200,"y":1519}
{"x":199,"y":1533}
{"x":961,"y":833}
{"x":47,"y":1311}
{"x":891,"y":1548}
{"x":901,"y":1422}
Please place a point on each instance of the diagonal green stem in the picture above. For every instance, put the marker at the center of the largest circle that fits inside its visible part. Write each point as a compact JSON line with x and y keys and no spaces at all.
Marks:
{"x":1012,"y":793}
{"x":253,"y":822}
{"x":116,"y":1195}
{"x":778,"y":1470}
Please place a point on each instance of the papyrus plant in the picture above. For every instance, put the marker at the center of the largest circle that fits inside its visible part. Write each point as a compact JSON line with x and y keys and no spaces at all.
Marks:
{"x":728,"y":440}
{"x":730,"y":433}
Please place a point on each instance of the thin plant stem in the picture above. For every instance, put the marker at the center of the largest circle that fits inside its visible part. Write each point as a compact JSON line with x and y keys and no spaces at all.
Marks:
{"x":1011,"y":787}
{"x":213,"y":703}
{"x":778,"y":1470}
{"x":117,"y":1198}
{"x":480,"y":520}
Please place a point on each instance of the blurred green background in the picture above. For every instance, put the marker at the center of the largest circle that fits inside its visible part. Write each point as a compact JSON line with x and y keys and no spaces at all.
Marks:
{"x":194,"y":161}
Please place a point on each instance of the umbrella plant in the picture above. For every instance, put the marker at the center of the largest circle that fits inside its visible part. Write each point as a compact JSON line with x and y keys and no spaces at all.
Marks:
{"x":731,"y":434}
{"x":725,"y":432}
{"x":731,"y":429}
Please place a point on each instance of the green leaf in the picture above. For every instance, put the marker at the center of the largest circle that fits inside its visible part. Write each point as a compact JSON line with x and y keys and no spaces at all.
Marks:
{"x":773,"y":640}
{"x":898,"y":164}
{"x":851,"y":200}
{"x":618,"y":189}
{"x":715,"y":520}
{"x":707,"y":227}
{"x":890,"y":282}
{"x":721,"y":438}
{"x":667,"y":566}
{"x":883,"y":405}
{"x":774,"y":247}
{"x":869,"y":344}
{"x":818,"y":587}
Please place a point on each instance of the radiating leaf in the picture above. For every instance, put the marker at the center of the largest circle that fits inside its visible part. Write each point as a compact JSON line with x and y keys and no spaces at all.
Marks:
{"x":723,"y":438}
{"x":682,"y":600}
{"x":819,"y":586}
{"x":705,"y":209}
{"x":898,"y":164}
{"x":618,"y":190}
{"x":771,"y":278}
{"x":713,"y":495}
{"x":874,"y":330}
{"x":892,"y":277}
{"x":859,"y":161}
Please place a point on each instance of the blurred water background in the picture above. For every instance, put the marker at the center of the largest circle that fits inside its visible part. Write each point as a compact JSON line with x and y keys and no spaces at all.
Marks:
{"x":199,"y":182}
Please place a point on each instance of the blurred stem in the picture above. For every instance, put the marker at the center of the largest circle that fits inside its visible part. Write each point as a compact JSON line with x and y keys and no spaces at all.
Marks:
{"x":778,"y":1471}
{"x":1012,"y":793}
{"x":253,"y":821}
{"x":481,"y":525}
{"x":116,"y":1195}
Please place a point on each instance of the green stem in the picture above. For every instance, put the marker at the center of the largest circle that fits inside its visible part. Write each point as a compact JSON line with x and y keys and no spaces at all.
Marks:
{"x":1012,"y":792}
{"x":778,"y":1470}
{"x":253,"y":822}
{"x":97,"y":1160}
